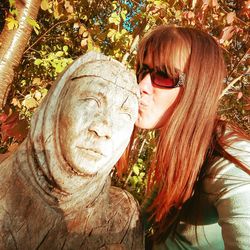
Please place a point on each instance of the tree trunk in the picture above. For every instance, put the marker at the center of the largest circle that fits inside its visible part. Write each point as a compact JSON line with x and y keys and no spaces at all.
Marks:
{"x":13,"y":43}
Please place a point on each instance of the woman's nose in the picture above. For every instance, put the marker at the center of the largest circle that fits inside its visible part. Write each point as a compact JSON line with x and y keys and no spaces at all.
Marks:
{"x":145,"y":85}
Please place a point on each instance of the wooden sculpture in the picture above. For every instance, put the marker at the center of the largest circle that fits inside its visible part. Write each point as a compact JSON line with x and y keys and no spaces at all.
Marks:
{"x":55,"y":189}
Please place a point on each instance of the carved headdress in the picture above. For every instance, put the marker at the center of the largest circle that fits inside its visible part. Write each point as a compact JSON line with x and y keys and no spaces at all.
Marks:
{"x":42,"y":151}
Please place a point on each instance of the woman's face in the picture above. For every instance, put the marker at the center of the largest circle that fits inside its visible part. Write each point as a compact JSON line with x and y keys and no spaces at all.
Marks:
{"x":155,"y":102}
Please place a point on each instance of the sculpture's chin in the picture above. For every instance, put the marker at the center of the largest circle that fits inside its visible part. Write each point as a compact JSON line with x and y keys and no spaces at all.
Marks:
{"x":85,"y":171}
{"x":87,"y":164}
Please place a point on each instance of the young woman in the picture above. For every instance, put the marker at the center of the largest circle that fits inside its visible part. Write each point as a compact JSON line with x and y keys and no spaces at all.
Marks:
{"x":199,"y":178}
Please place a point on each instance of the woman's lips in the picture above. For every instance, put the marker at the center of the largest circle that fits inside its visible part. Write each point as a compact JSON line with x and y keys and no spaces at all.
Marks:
{"x":143,"y":105}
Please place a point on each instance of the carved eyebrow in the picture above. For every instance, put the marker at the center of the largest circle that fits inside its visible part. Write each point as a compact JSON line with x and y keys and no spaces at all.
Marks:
{"x":124,"y":102}
{"x":83,"y":76}
{"x":97,"y":95}
{"x":98,"y":101}
{"x":126,"y":108}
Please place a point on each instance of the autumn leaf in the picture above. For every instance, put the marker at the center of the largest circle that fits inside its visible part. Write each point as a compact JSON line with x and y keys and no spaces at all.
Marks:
{"x":230,"y":17}
{"x":12,"y":23}
{"x":30,"y":102}
{"x":16,"y":102}
{"x":239,"y":95}
{"x":12,"y":126}
{"x":188,"y":14}
{"x":211,"y":3}
{"x":34,"y":24}
{"x":227,"y":33}
{"x":69,"y":8}
{"x":84,"y":42}
{"x":194,"y":2}
{"x":247,"y":107}
{"x":45,"y":5}
{"x":3,"y":117}
{"x":245,"y":10}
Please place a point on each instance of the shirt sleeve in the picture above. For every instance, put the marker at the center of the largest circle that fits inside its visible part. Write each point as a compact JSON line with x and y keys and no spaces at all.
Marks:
{"x":228,"y":187}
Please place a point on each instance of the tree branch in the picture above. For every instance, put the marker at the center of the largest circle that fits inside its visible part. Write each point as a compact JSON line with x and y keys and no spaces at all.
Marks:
{"x":44,"y":34}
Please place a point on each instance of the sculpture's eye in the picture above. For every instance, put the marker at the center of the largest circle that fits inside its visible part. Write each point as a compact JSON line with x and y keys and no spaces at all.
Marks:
{"x":92,"y":99}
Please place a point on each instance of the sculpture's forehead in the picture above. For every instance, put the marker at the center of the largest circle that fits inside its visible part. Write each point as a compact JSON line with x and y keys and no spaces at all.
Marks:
{"x":110,"y":71}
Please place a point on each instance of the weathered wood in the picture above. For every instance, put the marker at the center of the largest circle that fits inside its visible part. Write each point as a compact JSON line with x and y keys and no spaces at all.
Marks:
{"x":55,"y":189}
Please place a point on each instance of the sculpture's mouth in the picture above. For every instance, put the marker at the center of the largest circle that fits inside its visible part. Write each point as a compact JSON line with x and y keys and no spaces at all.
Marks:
{"x":92,"y":152}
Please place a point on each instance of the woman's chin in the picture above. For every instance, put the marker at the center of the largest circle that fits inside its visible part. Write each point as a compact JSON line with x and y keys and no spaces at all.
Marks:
{"x":144,"y":124}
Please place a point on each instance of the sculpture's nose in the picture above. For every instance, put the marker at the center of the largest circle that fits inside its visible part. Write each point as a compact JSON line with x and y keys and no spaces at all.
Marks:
{"x":101,"y":126}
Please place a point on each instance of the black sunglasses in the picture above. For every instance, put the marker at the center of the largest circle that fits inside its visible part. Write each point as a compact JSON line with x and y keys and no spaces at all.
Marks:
{"x":160,"y":78}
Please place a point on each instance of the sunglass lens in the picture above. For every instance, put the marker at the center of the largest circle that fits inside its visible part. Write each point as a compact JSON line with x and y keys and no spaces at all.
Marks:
{"x":161,"y":79}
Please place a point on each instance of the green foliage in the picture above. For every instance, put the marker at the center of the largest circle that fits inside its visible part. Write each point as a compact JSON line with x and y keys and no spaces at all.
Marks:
{"x":54,"y":62}
{"x":34,"y":24}
{"x":135,"y":180}
{"x":10,"y":20}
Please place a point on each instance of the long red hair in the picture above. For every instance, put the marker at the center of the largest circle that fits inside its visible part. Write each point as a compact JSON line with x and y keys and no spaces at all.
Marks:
{"x":187,"y":139}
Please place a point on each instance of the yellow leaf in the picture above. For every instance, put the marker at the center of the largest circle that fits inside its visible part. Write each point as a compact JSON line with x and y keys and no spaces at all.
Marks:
{"x":16,"y":102}
{"x":29,"y":102}
{"x":85,"y":34}
{"x":37,"y":81}
{"x":38,"y":95}
{"x":90,"y":43}
{"x":44,"y":5}
{"x":82,"y":30}
{"x":111,"y":33}
{"x":114,"y":6}
{"x":76,"y":26}
{"x":56,"y":13}
{"x":11,"y":23}
{"x":69,"y":8}
{"x":84,"y":42}
{"x":34,"y":24}
{"x":123,"y":14}
{"x":118,"y":36}
{"x":115,"y":18}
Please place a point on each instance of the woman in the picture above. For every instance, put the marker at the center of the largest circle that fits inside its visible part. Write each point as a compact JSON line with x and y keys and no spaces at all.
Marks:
{"x":198,"y":181}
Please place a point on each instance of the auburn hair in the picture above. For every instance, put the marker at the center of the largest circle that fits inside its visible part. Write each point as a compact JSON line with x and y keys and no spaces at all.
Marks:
{"x":187,"y":139}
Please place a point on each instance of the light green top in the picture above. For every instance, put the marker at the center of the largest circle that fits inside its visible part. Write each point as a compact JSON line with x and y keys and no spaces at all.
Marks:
{"x":225,"y":205}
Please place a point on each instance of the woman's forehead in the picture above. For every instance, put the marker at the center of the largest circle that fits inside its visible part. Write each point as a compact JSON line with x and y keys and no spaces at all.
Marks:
{"x":165,"y":56}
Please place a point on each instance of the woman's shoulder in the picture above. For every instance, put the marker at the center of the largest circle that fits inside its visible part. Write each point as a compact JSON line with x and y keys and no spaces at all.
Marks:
{"x":224,"y":175}
{"x":240,"y":149}
{"x":226,"y":187}
{"x":233,"y":150}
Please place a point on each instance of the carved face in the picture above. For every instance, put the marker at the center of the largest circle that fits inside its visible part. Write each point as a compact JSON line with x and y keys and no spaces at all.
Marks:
{"x":95,"y":124}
